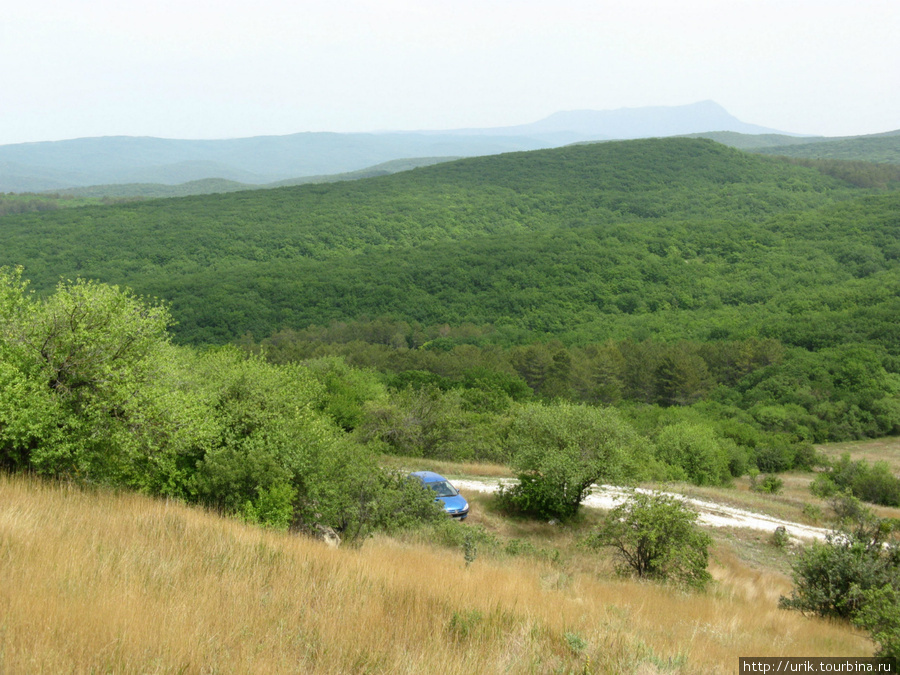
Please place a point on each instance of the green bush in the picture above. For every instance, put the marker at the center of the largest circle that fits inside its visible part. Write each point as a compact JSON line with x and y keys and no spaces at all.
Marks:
{"x":656,"y":537}
{"x":871,"y":483}
{"x":535,"y":496}
{"x":841,"y":577}
{"x":559,"y":451}
{"x":829,"y":577}
{"x":770,"y":484}
{"x":780,"y":537}
{"x":91,"y":389}
{"x":880,"y":615}
{"x":697,"y":451}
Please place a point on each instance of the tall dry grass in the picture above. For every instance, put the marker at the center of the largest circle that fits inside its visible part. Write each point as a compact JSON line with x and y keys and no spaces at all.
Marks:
{"x":98,"y":582}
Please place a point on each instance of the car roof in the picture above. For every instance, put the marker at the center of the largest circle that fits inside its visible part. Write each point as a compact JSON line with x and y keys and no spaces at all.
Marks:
{"x":428,"y":476}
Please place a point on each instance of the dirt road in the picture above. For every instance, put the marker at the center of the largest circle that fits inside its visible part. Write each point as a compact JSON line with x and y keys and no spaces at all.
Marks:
{"x":711,"y":513}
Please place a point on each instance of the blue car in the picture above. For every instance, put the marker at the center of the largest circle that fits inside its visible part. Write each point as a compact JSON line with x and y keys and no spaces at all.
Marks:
{"x":455,"y":504}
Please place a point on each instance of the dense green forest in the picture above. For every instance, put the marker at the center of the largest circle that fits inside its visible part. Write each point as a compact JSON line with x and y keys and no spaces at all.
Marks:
{"x":584,"y":242}
{"x":880,"y":148}
{"x":747,"y":300}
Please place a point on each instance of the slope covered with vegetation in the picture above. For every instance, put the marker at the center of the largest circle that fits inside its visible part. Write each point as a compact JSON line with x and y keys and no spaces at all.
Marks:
{"x":608,"y":225}
{"x":154,"y":586}
{"x":879,"y":148}
{"x":665,"y":310}
{"x":750,"y":283}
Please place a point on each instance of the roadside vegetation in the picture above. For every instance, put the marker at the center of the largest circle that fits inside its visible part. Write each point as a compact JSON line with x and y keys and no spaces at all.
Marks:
{"x":654,"y":314}
{"x":97,"y":580}
{"x":96,"y":397}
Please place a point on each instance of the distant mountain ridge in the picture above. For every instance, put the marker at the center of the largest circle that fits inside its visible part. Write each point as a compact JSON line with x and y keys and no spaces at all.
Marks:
{"x":632,"y":123}
{"x":124,"y":166}
{"x":260,"y":160}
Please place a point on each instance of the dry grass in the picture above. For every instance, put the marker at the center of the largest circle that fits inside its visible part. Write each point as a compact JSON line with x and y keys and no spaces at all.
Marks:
{"x":880,"y":450}
{"x":97,"y":582}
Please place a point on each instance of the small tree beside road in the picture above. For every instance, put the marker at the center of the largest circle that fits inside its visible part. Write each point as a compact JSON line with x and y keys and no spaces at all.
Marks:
{"x":656,"y":537}
{"x":560,"y":450}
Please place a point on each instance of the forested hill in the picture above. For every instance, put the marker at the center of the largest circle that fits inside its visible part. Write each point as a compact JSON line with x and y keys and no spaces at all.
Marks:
{"x":674,"y":237}
{"x":882,"y":148}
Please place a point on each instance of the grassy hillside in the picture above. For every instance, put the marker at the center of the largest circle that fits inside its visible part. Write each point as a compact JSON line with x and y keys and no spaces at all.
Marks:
{"x":592,"y":241}
{"x":96,"y":581}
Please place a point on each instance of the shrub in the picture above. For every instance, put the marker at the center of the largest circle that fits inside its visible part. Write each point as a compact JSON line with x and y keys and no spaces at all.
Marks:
{"x":843,"y":577}
{"x":875,"y":483}
{"x":696,"y":450}
{"x":780,"y":537}
{"x":778,"y":453}
{"x":559,"y":451}
{"x":770,"y":484}
{"x":656,"y":537}
{"x":880,"y":615}
{"x":813,"y":512}
{"x":830,"y":578}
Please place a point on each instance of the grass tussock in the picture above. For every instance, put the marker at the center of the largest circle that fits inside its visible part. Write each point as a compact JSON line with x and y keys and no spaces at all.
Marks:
{"x":99,"y":582}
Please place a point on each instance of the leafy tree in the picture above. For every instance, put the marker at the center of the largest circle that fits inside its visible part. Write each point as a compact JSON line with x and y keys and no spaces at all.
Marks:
{"x":417,"y":422}
{"x":656,"y":537}
{"x":560,"y":450}
{"x":681,"y":379}
{"x":695,"y":451}
{"x":93,"y":390}
{"x":346,"y":389}
{"x":83,"y":365}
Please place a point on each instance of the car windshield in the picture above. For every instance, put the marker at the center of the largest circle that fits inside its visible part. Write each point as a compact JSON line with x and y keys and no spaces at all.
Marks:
{"x":443,"y":489}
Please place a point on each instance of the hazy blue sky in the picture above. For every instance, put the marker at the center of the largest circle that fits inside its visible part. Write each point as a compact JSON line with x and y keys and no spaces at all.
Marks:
{"x":230,"y":68}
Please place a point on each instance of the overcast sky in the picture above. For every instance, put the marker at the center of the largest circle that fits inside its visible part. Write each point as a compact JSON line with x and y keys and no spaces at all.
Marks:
{"x":232,"y":68}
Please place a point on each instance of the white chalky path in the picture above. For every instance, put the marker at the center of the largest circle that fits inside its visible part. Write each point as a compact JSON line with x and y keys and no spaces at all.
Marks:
{"x":711,"y":514}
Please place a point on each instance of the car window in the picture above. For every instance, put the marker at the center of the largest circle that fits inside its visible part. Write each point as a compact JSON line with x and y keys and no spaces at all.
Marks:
{"x":443,"y":489}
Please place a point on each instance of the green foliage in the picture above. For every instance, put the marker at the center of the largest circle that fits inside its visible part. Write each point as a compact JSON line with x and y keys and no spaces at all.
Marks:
{"x":470,"y":549}
{"x":560,"y":450}
{"x":745,"y":305}
{"x":92,"y":390}
{"x":769,"y":484}
{"x":771,"y":402}
{"x":837,"y":578}
{"x":417,"y":422}
{"x":880,"y":615}
{"x":357,"y":498}
{"x":81,"y":366}
{"x":696,"y":453}
{"x":871,"y":483}
{"x":429,"y":422}
{"x":656,"y":537}
{"x":29,"y":202}
{"x":347,"y":390}
{"x":576,"y":643}
{"x":845,"y":151}
{"x":274,"y":507}
{"x":780,"y":537}
{"x":543,"y":241}
{"x":829,"y":577}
